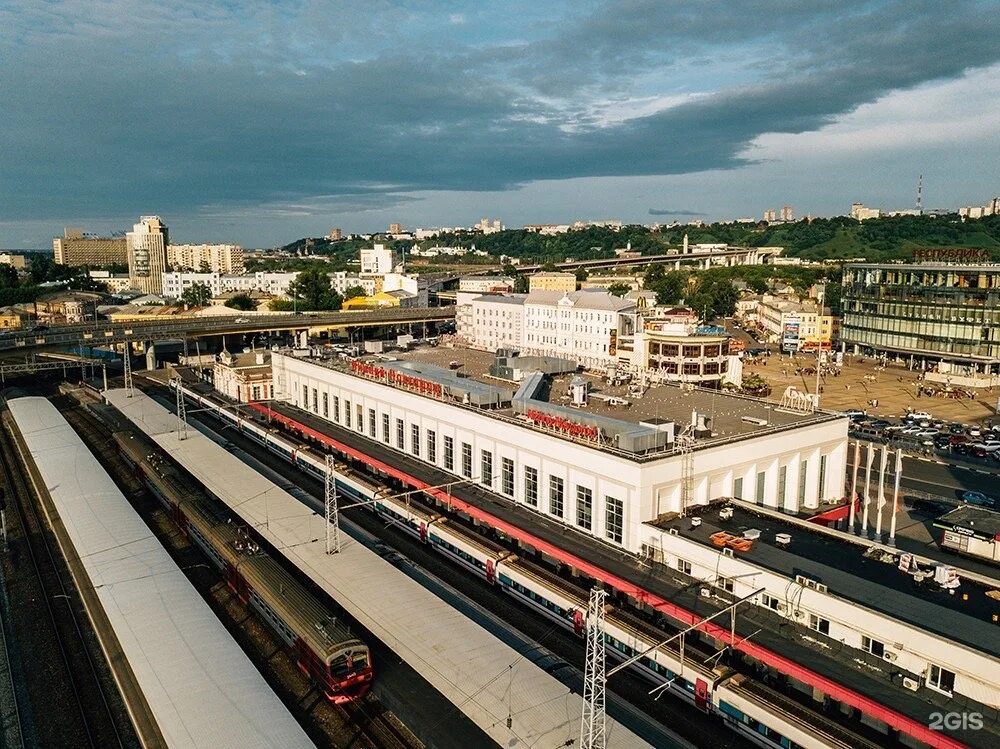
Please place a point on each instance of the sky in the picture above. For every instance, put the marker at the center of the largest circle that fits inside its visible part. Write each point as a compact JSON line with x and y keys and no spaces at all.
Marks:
{"x":262,"y":121}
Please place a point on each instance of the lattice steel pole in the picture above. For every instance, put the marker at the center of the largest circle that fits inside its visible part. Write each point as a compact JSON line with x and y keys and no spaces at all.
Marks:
{"x":593,"y":733}
{"x":332,"y":513}
{"x":128,"y":370}
{"x":182,"y":426}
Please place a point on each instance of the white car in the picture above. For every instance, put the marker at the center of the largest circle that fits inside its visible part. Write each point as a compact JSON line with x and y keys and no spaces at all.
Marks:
{"x":919,"y":416}
{"x":911,"y":430}
{"x":975,"y":432}
{"x":928,"y":433}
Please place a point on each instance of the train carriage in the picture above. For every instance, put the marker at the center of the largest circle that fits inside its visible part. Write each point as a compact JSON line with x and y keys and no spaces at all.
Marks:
{"x":325,"y":650}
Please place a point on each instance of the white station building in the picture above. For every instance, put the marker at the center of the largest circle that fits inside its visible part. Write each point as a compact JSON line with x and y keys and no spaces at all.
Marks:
{"x":603,"y":469}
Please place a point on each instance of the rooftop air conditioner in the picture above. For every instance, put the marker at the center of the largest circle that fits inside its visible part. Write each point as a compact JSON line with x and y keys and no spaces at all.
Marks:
{"x":911,"y":684}
{"x":889,"y":656}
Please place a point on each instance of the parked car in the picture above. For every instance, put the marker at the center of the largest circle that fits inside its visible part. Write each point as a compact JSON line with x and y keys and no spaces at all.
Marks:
{"x":942,"y":441}
{"x":977,"y":498}
{"x":919,"y":416}
{"x":974,"y":432}
{"x":855,"y":415}
{"x":957,"y":428}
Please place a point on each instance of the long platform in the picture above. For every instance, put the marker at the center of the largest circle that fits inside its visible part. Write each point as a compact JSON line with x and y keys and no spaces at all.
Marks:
{"x":202,"y":689}
{"x":783,"y":645}
{"x":482,"y":676}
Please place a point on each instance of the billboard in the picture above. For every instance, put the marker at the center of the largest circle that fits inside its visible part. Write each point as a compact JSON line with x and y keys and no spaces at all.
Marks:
{"x":790,"y":336}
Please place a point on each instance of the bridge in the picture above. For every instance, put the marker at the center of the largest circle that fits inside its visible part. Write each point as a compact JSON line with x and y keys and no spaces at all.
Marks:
{"x":703,"y":258}
{"x":103,"y":333}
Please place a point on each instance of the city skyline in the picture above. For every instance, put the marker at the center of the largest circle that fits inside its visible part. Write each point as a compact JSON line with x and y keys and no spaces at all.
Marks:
{"x":278,"y":121}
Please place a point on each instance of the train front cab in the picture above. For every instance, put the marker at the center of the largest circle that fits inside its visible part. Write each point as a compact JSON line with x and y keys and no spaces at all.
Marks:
{"x":349,"y":674}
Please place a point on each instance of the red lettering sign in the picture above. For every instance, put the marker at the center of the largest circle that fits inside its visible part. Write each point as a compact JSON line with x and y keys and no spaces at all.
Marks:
{"x":375,"y":372}
{"x":560,"y":424}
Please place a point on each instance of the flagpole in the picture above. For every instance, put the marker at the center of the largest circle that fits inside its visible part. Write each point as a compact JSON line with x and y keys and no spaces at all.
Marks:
{"x":881,"y":492}
{"x":895,"y":497}
{"x":854,"y":484}
{"x":868,"y":484}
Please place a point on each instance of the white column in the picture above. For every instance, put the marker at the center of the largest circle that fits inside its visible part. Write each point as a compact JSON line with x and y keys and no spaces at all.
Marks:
{"x":868,"y":484}
{"x":854,"y":485}
{"x":881,"y":492}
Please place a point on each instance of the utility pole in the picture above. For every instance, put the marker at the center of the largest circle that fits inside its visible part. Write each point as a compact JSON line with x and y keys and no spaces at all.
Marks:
{"x":128,"y":370}
{"x":332,"y":513}
{"x":182,"y":426}
{"x":593,"y":734}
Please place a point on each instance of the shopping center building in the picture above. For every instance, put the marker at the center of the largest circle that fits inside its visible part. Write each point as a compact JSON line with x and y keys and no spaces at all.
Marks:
{"x":941,"y":316}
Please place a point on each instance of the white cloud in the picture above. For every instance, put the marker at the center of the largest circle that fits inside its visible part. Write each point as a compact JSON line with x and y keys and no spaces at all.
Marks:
{"x":962,"y":111}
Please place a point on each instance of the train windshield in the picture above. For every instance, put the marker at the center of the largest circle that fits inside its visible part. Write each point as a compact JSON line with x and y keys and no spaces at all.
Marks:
{"x":349,"y":662}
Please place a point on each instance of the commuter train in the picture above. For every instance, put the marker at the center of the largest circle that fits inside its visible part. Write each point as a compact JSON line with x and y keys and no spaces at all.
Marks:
{"x":324,"y":648}
{"x":741,"y":703}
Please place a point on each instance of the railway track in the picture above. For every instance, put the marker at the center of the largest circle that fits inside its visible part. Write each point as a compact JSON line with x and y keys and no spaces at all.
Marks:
{"x":88,"y":717}
{"x":366,"y":724}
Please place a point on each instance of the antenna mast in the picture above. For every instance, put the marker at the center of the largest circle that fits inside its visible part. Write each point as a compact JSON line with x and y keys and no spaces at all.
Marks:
{"x":920,"y":196}
{"x":593,"y":734}
{"x":332,"y":513}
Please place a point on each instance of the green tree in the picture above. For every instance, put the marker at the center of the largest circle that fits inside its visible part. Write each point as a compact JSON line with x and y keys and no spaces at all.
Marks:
{"x":581,"y":275}
{"x":668,"y":287}
{"x":8,"y":277}
{"x":619,"y":288}
{"x":521,"y":284}
{"x":353,"y":291}
{"x":196,"y":295}
{"x":311,"y":291}
{"x":508,"y":270}
{"x":243,"y":302}
{"x":549,"y":267}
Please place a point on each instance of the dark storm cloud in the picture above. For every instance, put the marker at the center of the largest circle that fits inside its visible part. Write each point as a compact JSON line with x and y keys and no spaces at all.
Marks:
{"x":672,"y":212}
{"x":102,"y":121}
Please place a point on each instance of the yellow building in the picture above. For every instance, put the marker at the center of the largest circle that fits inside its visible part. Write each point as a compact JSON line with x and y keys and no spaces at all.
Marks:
{"x":552,"y":282}
{"x":375,"y":301}
{"x":12,"y":318}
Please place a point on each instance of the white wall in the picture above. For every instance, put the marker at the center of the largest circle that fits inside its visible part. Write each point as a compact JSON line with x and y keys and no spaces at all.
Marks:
{"x":913,"y":647}
{"x":646,"y":489}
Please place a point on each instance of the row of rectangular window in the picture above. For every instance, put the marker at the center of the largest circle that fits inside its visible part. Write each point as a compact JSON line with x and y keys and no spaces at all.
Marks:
{"x":783,"y":481}
{"x":614,"y":508}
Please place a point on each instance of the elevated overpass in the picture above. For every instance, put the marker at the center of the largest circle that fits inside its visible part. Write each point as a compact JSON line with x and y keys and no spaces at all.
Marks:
{"x":104,"y":333}
{"x":700,"y":258}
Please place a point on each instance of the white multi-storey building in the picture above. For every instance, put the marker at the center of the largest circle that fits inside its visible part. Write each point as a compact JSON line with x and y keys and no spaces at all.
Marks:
{"x":581,"y":325}
{"x":497,"y":322}
{"x":146,"y":245}
{"x":213,"y":258}
{"x":274,"y":283}
{"x":377,"y":260}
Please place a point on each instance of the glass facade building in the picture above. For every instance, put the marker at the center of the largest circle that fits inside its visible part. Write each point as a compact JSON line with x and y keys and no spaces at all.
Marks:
{"x":933,"y":312}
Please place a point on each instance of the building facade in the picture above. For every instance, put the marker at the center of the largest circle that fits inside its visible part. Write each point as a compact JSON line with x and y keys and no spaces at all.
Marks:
{"x":606,"y":493}
{"x":795,"y":325}
{"x":77,"y":248}
{"x":497,"y":322}
{"x":244,"y":377}
{"x":582,"y":325}
{"x":147,"y":254}
{"x":174,"y":284}
{"x":377,"y":260}
{"x":213,"y":258}
{"x":486,"y":284}
{"x":931,"y":313}
{"x":18,"y":262}
{"x":565,"y":282}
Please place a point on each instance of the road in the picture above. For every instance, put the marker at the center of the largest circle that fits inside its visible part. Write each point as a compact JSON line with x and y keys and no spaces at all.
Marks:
{"x":105,"y":332}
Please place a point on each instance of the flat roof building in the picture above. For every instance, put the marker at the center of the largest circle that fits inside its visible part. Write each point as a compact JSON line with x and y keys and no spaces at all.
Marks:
{"x":565,"y":282}
{"x":938,"y":315}
{"x":76,"y":248}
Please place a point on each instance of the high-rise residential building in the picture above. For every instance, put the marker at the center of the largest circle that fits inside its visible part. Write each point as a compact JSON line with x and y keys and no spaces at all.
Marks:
{"x":77,"y":247}
{"x":147,"y":254}
{"x":770,"y":215}
{"x":489,"y":226}
{"x":395,"y":228}
{"x":787,"y":214}
{"x":208,"y":258}
{"x":377,"y":260}
{"x":18,"y":262}
{"x":335,"y":234}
